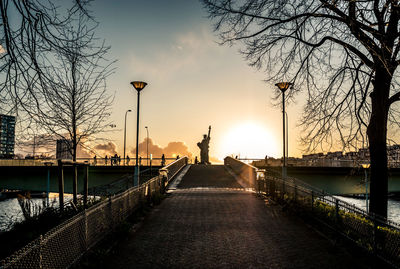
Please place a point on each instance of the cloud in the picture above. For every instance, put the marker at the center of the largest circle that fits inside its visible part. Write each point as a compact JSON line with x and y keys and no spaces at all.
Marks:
{"x":177,"y":148}
{"x":106,"y":149}
{"x":182,"y":55}
{"x":82,"y":152}
{"x":171,"y":150}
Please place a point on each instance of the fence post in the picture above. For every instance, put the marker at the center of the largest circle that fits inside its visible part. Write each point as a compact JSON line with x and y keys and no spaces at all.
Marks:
{"x":149,"y":192}
{"x":110,"y":217}
{"x":61,"y":185}
{"x":40,"y":251}
{"x":86,"y":229}
{"x":375,"y":236}
{"x":85,"y":184}
{"x":75,"y":183}
{"x":312,"y":200}
{"x":273,"y":189}
{"x":337,"y":211}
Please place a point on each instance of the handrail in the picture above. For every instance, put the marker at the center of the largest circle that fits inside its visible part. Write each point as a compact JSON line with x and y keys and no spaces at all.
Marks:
{"x":246,"y":172}
{"x":370,"y":231}
{"x":172,"y":169}
{"x":374,"y":233}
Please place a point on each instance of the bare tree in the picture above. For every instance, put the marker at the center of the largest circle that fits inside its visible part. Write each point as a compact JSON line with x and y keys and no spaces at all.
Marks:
{"x":29,"y":32}
{"x":344,"y":53}
{"x":74,"y":101}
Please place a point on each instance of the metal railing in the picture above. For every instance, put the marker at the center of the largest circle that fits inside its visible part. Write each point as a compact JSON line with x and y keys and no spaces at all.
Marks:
{"x":356,"y":163}
{"x":65,"y":244}
{"x":373,"y":233}
{"x":91,"y":161}
{"x":377,"y":235}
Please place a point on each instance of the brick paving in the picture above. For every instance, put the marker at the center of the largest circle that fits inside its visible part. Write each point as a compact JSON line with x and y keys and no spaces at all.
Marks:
{"x":209,"y":222}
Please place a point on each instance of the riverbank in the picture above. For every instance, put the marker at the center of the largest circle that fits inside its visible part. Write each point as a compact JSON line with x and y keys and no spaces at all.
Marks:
{"x":395,"y":195}
{"x":9,"y":194}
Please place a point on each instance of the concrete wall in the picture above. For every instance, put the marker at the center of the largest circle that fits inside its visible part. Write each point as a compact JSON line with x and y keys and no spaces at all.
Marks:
{"x":245,"y":171}
{"x":34,"y":178}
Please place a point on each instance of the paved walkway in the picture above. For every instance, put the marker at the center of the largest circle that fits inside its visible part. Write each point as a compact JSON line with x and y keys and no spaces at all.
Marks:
{"x":210,"y":222}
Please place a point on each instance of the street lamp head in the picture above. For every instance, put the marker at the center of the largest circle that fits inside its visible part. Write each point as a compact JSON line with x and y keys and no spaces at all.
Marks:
{"x":145,"y":127}
{"x":138,"y":85}
{"x":129,"y":110}
{"x":365,"y":165}
{"x":283,"y":86}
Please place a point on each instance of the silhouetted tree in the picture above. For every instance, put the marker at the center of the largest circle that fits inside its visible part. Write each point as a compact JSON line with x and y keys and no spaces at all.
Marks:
{"x":344,"y":53}
{"x":44,"y":50}
{"x":29,"y":33}
{"x":75,"y":103}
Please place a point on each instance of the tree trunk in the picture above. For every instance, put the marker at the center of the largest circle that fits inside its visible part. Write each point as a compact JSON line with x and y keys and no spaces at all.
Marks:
{"x":74,"y":148}
{"x":377,"y":136}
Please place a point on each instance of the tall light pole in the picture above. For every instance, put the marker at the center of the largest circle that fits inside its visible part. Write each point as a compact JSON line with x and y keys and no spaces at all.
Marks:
{"x":139,"y":86}
{"x":147,"y":147}
{"x":125,"y":134}
{"x":283,"y":86}
{"x":366,"y":166}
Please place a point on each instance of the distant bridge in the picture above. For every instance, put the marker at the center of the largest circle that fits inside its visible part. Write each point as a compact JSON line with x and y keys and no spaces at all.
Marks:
{"x":34,"y":178}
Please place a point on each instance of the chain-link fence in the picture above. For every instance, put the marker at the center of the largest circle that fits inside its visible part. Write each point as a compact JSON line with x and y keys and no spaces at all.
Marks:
{"x":375,"y":234}
{"x":65,"y":244}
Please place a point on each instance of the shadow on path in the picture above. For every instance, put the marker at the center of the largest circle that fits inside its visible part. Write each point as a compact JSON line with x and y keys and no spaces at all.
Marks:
{"x":222,"y":228}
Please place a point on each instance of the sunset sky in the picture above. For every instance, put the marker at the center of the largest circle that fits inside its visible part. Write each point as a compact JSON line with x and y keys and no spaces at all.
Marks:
{"x":192,"y":82}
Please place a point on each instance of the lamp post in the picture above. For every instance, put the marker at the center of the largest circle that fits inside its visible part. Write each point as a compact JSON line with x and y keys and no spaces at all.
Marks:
{"x":147,"y":146}
{"x":125,"y":134}
{"x":366,"y":167}
{"x":139,"y":86}
{"x":287,"y":136}
{"x":283,"y":86}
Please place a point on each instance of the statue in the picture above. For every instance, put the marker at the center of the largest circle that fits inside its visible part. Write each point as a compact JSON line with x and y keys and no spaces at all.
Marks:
{"x":204,"y":145}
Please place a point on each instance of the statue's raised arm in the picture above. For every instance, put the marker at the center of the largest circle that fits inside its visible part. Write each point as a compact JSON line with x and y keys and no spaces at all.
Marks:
{"x":209,"y":131}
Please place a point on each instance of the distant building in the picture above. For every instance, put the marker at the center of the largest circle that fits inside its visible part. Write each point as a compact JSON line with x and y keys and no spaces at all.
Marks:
{"x":351,"y":155}
{"x":63,"y":149}
{"x":7,"y":136}
{"x":337,"y":155}
{"x":394,"y":153}
{"x":313,"y":156}
{"x":363,"y":154}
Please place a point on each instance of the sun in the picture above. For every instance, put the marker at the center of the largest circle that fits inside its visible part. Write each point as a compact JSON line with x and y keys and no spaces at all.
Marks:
{"x":248,"y":140}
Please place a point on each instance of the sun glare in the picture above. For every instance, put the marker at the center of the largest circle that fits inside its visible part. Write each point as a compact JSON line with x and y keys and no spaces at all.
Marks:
{"x":249,"y":140}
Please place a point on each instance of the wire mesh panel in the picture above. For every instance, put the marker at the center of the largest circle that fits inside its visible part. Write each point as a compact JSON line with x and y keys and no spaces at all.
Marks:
{"x":66,"y":243}
{"x":374,"y":233}
{"x":54,"y":254}
{"x":27,"y":257}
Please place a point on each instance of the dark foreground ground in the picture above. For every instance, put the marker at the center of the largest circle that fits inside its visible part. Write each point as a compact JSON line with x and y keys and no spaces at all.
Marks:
{"x":210,"y":222}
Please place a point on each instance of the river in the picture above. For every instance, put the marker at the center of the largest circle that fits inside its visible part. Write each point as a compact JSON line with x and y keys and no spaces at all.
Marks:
{"x":10,"y":210}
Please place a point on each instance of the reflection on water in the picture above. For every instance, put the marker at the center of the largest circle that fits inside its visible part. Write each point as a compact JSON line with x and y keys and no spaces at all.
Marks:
{"x":10,"y":210}
{"x":393,"y":207}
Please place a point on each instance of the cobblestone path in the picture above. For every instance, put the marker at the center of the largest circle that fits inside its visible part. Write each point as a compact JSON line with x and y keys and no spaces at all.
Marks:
{"x":210,"y":222}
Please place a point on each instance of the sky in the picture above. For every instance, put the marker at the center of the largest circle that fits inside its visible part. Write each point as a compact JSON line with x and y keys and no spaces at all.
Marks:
{"x":193,"y":82}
